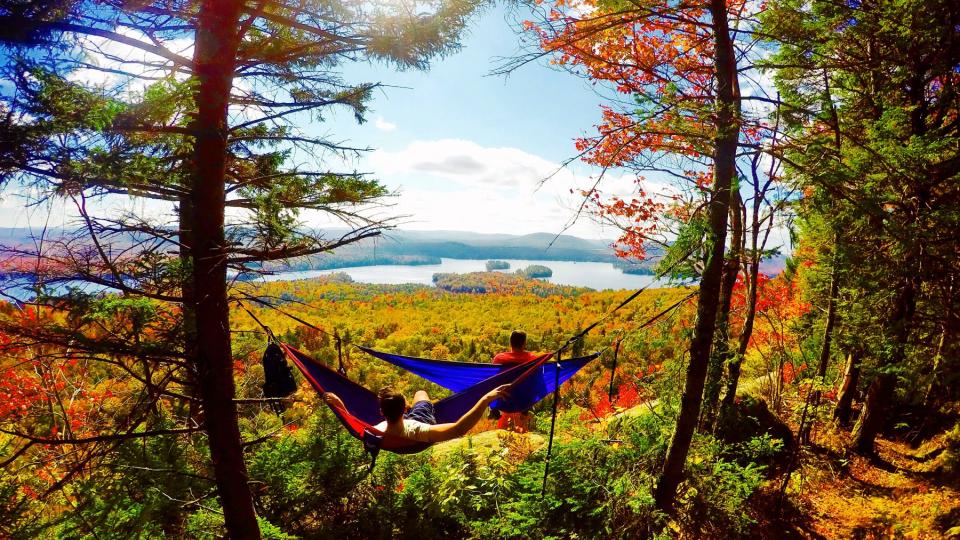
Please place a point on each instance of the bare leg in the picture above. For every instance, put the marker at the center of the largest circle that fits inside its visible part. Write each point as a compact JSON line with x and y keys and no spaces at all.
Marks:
{"x":421,"y":395}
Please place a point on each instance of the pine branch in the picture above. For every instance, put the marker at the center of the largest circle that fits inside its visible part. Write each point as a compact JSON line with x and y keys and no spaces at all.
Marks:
{"x":32,"y":439}
{"x":113,"y":36}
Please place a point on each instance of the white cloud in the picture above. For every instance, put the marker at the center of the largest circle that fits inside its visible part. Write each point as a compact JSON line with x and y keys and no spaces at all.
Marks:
{"x":108,"y":58}
{"x":383,"y":125}
{"x":465,"y":162}
{"x":458,"y":184}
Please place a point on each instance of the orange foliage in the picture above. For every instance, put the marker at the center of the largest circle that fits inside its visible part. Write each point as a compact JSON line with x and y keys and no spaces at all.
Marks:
{"x":661,"y":54}
{"x":779,"y":302}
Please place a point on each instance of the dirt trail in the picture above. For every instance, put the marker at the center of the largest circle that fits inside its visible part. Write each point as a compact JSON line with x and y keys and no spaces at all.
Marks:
{"x":899,"y":494}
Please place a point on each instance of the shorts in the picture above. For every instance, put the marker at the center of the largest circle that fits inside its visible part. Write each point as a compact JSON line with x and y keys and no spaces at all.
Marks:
{"x":422,"y":411}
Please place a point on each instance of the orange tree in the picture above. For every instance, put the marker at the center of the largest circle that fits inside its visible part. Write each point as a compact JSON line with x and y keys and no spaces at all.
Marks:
{"x":678,"y":68}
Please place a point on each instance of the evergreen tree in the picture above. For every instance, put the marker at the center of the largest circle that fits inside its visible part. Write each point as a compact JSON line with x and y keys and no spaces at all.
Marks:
{"x":195,"y":107}
{"x":872,"y":89}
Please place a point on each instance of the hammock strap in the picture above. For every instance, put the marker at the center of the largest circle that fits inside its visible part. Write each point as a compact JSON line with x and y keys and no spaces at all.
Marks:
{"x":553,"y":424}
{"x":270,"y":336}
{"x":627,"y":300}
{"x":266,"y":304}
{"x":556,"y":390}
{"x":673,"y":306}
{"x":340,"y":367}
{"x":613,"y":369}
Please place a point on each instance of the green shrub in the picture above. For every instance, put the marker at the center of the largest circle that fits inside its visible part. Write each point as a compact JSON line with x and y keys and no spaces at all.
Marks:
{"x":949,"y":459}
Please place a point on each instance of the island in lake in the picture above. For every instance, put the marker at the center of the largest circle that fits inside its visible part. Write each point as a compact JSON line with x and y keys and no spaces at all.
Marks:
{"x":536,"y":271}
{"x":497,"y":265}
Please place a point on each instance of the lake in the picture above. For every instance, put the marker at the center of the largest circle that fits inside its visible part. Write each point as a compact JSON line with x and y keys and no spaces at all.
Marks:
{"x":595,"y":275}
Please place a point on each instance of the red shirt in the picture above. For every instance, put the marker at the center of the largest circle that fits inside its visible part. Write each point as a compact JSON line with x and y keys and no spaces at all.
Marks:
{"x":513,"y":358}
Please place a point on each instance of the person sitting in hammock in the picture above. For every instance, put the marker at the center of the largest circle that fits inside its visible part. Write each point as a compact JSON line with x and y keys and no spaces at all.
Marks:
{"x":519,"y":421}
{"x":517,"y":353}
{"x":419,"y":423}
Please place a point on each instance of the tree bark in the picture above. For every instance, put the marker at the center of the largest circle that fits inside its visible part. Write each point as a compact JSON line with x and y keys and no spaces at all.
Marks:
{"x":883,"y":385}
{"x":946,"y":338}
{"x":217,"y":40}
{"x":824,"y":361}
{"x":188,"y":318}
{"x":851,"y":378}
{"x":724,"y":162}
{"x":743,"y":341}
{"x":871,"y":418}
{"x":882,"y":388}
{"x":723,"y":353}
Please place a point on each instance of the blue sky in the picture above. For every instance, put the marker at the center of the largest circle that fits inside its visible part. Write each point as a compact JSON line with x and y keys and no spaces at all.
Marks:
{"x":536,"y":108}
{"x":467,"y":150}
{"x":460,"y":148}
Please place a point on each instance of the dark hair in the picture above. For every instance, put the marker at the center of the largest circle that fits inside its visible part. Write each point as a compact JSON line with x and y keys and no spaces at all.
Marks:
{"x":518,"y":339}
{"x":392,"y":404}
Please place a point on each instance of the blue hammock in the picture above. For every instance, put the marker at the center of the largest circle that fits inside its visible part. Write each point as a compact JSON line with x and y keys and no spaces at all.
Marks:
{"x":461,"y":376}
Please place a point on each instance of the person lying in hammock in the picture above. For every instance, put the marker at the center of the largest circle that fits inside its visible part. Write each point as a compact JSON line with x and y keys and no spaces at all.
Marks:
{"x":419,"y":422}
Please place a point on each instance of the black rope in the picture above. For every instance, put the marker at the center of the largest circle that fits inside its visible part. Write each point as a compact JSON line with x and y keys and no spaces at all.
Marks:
{"x":587,"y":330}
{"x":290,"y":315}
{"x":340,"y":367}
{"x":629,"y":299}
{"x":553,"y":423}
{"x":673,"y":306}
{"x":556,"y":391}
{"x":270,"y":336}
{"x":613,"y":369}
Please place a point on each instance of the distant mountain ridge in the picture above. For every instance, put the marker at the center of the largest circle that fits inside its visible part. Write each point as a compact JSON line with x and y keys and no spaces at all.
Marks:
{"x":469,"y":245}
{"x":399,"y":246}
{"x":403,"y":247}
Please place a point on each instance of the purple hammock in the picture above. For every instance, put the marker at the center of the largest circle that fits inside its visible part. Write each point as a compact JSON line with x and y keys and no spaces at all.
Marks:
{"x":532,"y":381}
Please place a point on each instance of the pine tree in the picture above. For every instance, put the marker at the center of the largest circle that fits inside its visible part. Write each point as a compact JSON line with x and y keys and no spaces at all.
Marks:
{"x":873,"y":104}
{"x":196,"y":108}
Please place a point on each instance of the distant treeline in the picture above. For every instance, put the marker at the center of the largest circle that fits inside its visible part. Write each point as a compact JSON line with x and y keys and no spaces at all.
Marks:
{"x":457,"y":250}
{"x":497,"y":247}
{"x":499,"y":282}
{"x":348,"y":260}
{"x":429,"y":248}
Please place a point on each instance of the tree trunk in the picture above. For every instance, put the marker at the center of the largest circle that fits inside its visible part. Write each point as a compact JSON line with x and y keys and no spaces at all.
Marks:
{"x":901,"y":320}
{"x":724,"y":161}
{"x":723,"y":353}
{"x":946,"y":338}
{"x":881,"y":389}
{"x":743,"y":341}
{"x":217,"y":39}
{"x":930,"y":395}
{"x":188,"y":317}
{"x":871,"y":418}
{"x":851,"y":377}
{"x":824,"y":361}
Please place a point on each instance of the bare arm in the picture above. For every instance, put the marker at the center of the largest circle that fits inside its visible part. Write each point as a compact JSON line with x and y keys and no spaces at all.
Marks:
{"x":446,"y":432}
{"x":333,"y":399}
